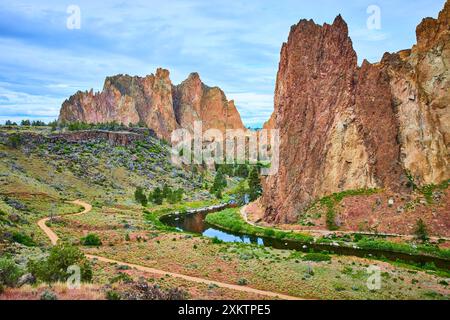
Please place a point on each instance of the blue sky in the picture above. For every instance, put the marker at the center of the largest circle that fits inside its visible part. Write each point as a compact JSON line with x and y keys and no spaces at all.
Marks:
{"x":232,"y":44}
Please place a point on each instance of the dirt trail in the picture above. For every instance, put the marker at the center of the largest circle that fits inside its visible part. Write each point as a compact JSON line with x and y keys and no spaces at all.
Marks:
{"x":87,"y":208}
{"x":49,"y":232}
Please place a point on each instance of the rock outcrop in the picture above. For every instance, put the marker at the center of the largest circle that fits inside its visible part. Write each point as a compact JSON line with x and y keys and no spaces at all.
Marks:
{"x":155,"y":102}
{"x":114,"y":138}
{"x":194,"y":101}
{"x":346,"y":127}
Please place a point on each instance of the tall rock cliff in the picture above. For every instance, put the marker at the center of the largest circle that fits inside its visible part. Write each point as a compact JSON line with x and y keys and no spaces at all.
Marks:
{"x":155,"y":102}
{"x":346,"y":127}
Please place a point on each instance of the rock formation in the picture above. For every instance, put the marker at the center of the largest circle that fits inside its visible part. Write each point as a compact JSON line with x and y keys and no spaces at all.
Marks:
{"x":194,"y":101}
{"x":346,"y":127}
{"x":154,"y":102}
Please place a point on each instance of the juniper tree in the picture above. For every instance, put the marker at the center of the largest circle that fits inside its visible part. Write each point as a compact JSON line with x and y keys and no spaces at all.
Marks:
{"x":157,"y":196}
{"x":421,"y":231}
{"x":220,"y":182}
{"x":140,"y":196}
{"x":254,"y":182}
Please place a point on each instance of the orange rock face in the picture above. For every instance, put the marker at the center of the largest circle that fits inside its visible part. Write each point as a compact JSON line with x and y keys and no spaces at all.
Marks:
{"x":346,"y":127}
{"x":155,"y":102}
{"x":194,"y":101}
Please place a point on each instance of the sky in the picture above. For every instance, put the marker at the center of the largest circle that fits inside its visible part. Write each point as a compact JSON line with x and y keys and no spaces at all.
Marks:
{"x":46,"y":55}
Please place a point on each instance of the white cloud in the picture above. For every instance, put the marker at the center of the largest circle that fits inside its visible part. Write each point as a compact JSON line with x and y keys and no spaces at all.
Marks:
{"x":255,"y":109}
{"x":20,"y":105}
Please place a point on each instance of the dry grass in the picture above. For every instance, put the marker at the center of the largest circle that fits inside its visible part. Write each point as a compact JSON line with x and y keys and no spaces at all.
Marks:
{"x":86,"y":292}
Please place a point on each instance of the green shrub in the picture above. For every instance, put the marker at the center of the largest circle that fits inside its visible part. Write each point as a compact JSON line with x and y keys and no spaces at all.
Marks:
{"x":280,"y":235}
{"x":216,"y":240}
{"x":219,"y":194}
{"x":316,"y":257}
{"x":242,"y":282}
{"x":140,"y":197}
{"x":175,"y":196}
{"x":24,"y":239}
{"x":270,"y":233}
{"x":421,"y":231}
{"x":48,"y":296}
{"x":122,"y":277}
{"x":166,"y":191}
{"x":54,"y":268}
{"x":157,"y":196}
{"x":428,"y":190}
{"x":14,"y":141}
{"x":112,"y":295}
{"x":91,"y":240}
{"x":9,"y":272}
{"x":254,"y":182}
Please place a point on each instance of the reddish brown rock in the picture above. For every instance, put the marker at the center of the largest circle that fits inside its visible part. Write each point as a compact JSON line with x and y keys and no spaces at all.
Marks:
{"x":153,"y":101}
{"x":420,"y":85}
{"x":346,"y":127}
{"x":195,"y":101}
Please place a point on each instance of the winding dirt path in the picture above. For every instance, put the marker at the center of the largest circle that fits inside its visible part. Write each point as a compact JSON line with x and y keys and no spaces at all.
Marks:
{"x":87,"y":208}
{"x":49,"y":232}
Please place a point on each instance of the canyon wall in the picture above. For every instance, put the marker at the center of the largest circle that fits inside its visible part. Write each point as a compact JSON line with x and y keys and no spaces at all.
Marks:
{"x":346,"y":127}
{"x":155,"y":102}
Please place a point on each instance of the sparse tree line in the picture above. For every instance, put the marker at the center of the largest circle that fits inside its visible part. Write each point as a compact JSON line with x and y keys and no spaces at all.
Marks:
{"x":29,"y":123}
{"x":110,"y":126}
{"x":76,"y":125}
{"x":249,"y":189}
{"x":158,"y":195}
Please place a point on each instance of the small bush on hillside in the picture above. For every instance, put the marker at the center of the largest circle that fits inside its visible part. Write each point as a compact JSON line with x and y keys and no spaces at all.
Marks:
{"x":166,"y":191}
{"x":219,"y":194}
{"x":316,"y":257}
{"x":14,"y":141}
{"x":122,"y":278}
{"x":9,"y":272}
{"x":141,"y":290}
{"x":140,"y":197}
{"x":55,"y":267}
{"x":157,"y":196}
{"x":216,"y":240}
{"x":91,"y":240}
{"x":112,"y":295}
{"x":421,"y":231}
{"x":24,"y":239}
{"x":175,"y":196}
{"x":49,"y":296}
{"x":270,"y":233}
